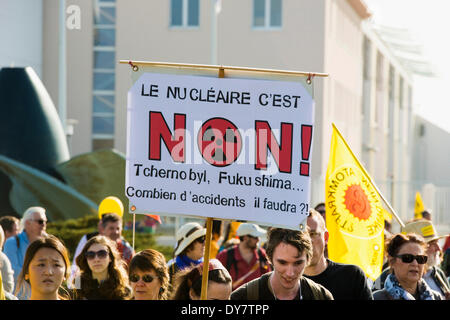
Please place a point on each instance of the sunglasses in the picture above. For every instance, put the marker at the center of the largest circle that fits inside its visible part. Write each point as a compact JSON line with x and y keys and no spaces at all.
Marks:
{"x":41,"y":221}
{"x":146,"y":278}
{"x":201,"y":239}
{"x":101,"y":254}
{"x":408,"y":258}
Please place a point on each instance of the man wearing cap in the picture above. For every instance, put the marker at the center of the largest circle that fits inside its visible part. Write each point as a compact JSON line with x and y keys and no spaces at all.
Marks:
{"x":189,"y":248}
{"x":434,"y":276}
{"x":245,"y":261}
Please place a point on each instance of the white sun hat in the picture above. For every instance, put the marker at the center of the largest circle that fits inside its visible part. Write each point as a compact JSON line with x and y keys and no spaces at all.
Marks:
{"x":187,"y":234}
{"x":251,"y":229}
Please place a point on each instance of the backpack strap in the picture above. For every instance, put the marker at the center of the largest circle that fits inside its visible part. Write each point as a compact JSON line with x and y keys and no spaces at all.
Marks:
{"x":262,"y":258}
{"x":308,"y":286}
{"x":231,"y":261}
{"x":317,"y":294}
{"x":253,"y":289}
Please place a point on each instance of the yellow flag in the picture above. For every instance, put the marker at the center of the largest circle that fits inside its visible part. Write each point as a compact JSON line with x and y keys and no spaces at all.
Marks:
{"x":355,"y":216}
{"x":418,"y":206}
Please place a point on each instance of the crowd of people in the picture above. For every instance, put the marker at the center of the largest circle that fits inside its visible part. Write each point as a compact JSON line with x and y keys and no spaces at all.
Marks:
{"x":247,"y":263}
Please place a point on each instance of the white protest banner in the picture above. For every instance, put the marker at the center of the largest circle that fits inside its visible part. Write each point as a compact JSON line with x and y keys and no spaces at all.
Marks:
{"x":224,"y":148}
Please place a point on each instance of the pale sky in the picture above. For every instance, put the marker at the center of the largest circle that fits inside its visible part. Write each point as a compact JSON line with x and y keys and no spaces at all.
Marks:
{"x":429,"y":23}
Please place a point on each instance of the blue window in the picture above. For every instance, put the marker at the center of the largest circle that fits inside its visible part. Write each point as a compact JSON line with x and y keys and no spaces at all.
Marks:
{"x":104,"y":59}
{"x":104,"y":36}
{"x":104,"y":103}
{"x":103,"y":124}
{"x":267,"y":13}
{"x":184,"y":13}
{"x":259,"y":13}
{"x":104,"y":80}
{"x":177,"y":13}
{"x":193,"y":12}
{"x":105,"y":16}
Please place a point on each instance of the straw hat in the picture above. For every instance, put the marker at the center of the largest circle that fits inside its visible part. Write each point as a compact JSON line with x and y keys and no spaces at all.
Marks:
{"x":187,"y":234}
{"x":423,"y":228}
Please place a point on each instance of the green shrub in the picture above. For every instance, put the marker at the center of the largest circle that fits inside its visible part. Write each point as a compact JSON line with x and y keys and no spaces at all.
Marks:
{"x":72,"y":230}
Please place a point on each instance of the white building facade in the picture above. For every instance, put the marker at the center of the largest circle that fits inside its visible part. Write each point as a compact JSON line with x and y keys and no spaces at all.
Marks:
{"x":367,"y":93}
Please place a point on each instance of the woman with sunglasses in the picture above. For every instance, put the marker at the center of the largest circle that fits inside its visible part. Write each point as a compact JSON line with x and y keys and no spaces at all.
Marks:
{"x":189,"y":249}
{"x":45,"y":269}
{"x":188,"y":283}
{"x":103,"y":273}
{"x":149,"y":277}
{"x":407,"y":259}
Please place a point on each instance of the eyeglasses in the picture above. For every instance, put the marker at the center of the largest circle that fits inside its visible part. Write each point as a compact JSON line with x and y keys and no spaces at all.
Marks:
{"x":101,"y":254}
{"x":201,"y":239}
{"x":146,"y":278}
{"x":40,"y":221}
{"x":408,"y":258}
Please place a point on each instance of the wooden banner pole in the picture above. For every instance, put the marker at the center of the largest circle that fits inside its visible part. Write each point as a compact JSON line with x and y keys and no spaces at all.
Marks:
{"x":208,"y":237}
{"x":136,"y":64}
{"x":209,"y":225}
{"x":134,"y":227}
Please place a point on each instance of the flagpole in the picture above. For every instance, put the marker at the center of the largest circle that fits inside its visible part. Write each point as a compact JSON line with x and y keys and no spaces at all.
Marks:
{"x":370,"y":179}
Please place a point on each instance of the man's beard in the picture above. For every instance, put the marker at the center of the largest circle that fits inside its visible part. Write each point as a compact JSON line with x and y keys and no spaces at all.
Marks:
{"x":434,"y":259}
{"x":251,"y":245}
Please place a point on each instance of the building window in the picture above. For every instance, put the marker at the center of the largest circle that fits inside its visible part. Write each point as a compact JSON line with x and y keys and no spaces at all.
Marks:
{"x":105,"y":15}
{"x":104,"y":59}
{"x":103,"y":98}
{"x":104,"y":36}
{"x":184,"y":13}
{"x":267,"y":13}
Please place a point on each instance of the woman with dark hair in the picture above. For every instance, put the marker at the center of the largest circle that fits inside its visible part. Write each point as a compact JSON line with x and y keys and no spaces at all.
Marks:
{"x":45,"y":268}
{"x":188,"y":283}
{"x":407,"y":260}
{"x":103,"y":273}
{"x":149,"y":277}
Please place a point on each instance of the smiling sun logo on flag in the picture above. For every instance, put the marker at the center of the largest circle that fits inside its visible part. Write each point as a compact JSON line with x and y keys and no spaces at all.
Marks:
{"x":354,"y":203}
{"x":357,"y":202}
